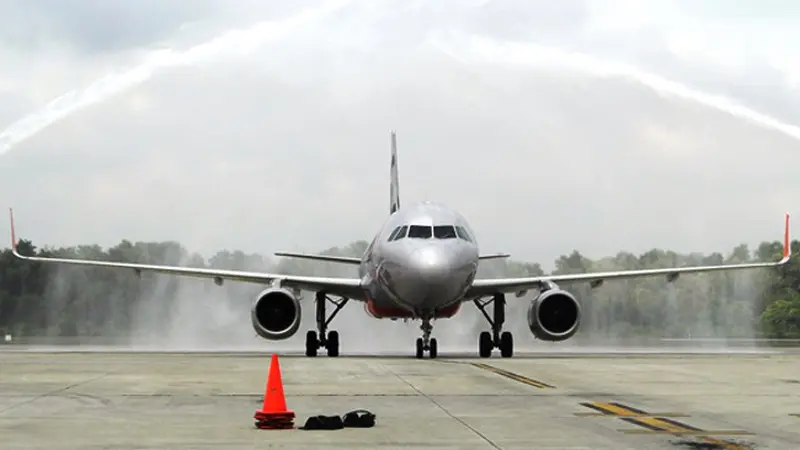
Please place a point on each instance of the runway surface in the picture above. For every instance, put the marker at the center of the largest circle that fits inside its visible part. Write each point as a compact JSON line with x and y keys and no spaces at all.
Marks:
{"x":125,"y":400}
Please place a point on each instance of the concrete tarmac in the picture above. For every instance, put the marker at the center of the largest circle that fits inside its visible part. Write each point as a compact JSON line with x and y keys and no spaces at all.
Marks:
{"x":79,"y":400}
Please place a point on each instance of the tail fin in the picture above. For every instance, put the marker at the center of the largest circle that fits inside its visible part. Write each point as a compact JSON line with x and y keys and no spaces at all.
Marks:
{"x":394,"y":187}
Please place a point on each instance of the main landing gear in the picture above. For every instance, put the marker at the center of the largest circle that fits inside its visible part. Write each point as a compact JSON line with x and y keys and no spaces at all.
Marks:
{"x":329,"y":340}
{"x":426,"y":342}
{"x":497,"y":338}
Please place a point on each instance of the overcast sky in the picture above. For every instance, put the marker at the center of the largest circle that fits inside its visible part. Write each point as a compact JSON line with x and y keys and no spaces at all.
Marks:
{"x":551,"y":125}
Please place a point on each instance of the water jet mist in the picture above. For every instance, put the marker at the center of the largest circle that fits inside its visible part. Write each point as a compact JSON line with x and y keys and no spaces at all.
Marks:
{"x":480,"y":49}
{"x":242,"y":41}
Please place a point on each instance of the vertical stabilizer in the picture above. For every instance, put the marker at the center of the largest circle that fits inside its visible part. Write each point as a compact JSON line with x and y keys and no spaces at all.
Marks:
{"x":394,"y":187}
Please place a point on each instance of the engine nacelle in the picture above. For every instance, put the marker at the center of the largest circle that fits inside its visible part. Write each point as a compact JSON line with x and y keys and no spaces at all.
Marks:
{"x":276,"y":314}
{"x":554,"y":315}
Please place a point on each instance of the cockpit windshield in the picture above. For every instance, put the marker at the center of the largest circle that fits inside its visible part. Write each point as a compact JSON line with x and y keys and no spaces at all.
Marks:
{"x":444,"y":232}
{"x":427,"y":232}
{"x":419,"y":231}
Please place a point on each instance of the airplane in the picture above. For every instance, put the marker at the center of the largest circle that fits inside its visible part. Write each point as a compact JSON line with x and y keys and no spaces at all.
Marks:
{"x":420,"y":265}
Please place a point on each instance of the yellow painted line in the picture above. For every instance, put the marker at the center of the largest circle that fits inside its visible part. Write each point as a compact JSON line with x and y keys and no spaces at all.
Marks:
{"x":659,"y":425}
{"x":663,"y":425}
{"x":620,"y":410}
{"x":614,"y":409}
{"x":655,"y":414}
{"x":513,"y":376}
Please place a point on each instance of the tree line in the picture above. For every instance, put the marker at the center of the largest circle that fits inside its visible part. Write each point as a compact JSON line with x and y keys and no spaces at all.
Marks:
{"x":62,"y":300}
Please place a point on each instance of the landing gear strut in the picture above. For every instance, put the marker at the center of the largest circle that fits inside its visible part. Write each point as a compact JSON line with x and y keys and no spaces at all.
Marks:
{"x":327,"y":339}
{"x":426,"y":342}
{"x":496,"y":338}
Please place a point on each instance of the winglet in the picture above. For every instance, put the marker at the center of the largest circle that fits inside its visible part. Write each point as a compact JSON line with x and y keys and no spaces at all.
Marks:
{"x":13,"y":232}
{"x":787,"y":243}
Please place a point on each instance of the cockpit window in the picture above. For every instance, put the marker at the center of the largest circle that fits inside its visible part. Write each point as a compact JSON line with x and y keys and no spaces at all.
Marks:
{"x":398,"y":233}
{"x":402,"y":233}
{"x":419,"y":231}
{"x":426,"y":232}
{"x":394,"y":234}
{"x":444,"y":232}
{"x":462,"y":233}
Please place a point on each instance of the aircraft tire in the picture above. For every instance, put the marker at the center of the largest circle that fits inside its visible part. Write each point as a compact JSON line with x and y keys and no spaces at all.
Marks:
{"x":434,"y":350}
{"x":333,"y":343}
{"x":420,"y":349}
{"x":506,"y":344}
{"x":312,"y":343}
{"x":485,"y":344}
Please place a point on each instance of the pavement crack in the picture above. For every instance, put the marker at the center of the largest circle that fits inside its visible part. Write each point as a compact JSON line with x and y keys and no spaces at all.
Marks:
{"x":445,"y":410}
{"x":52,"y":393}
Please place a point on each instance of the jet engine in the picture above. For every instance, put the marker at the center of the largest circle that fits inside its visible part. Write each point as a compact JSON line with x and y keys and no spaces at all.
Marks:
{"x":554,"y":315}
{"x":276,"y":314}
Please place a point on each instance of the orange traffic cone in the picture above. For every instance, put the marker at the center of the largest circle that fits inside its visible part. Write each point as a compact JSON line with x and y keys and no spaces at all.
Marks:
{"x":273,"y":415}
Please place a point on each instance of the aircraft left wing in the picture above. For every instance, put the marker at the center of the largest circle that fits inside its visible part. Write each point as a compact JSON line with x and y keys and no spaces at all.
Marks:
{"x":346,"y":287}
{"x":484,"y":287}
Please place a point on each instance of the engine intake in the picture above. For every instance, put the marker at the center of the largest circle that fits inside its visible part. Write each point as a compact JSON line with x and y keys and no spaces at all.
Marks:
{"x":554,"y":315}
{"x":276,"y":314}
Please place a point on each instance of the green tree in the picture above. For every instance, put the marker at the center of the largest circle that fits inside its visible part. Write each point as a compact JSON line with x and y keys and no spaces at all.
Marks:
{"x":781,"y":319}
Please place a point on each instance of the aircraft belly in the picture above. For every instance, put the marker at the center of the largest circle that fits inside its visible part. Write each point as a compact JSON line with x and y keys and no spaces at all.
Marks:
{"x":385,"y":306}
{"x":382,"y":305}
{"x":385,"y":296}
{"x":405,"y":301}
{"x":421,"y":296}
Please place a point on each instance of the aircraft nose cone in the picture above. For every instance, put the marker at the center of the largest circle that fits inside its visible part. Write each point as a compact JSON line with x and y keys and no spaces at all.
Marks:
{"x":432,"y":263}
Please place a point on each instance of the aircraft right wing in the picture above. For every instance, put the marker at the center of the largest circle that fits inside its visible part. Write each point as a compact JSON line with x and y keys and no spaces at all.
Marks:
{"x":345,"y":287}
{"x":484,"y":287}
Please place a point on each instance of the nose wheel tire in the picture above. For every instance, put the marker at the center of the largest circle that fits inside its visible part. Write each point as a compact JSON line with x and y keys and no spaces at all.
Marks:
{"x":433,"y":348}
{"x":426,"y":342}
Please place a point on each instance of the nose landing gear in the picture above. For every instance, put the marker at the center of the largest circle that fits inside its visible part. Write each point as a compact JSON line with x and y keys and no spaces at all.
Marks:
{"x":426,"y":342}
{"x":497,"y":338}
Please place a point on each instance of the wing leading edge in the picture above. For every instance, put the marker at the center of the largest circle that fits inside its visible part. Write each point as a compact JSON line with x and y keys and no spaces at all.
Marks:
{"x":347,"y":287}
{"x":484,"y":287}
{"x":316,"y":257}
